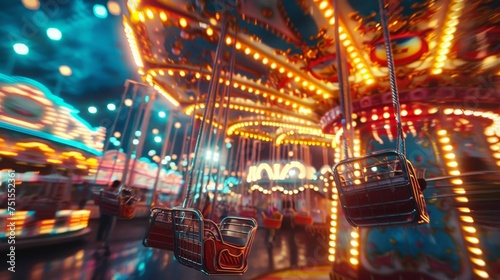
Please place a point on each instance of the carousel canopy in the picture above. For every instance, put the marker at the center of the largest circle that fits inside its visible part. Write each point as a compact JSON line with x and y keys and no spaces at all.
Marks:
{"x":284,"y":86}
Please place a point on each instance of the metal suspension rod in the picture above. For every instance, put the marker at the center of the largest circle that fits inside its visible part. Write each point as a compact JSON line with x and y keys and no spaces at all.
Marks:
{"x":143,"y":127}
{"x":135,"y":126}
{"x":224,"y":110}
{"x":201,"y":133}
{"x":106,"y":145}
{"x":134,"y":94}
{"x":345,"y":100}
{"x":400,"y":142}
{"x":168,"y":129}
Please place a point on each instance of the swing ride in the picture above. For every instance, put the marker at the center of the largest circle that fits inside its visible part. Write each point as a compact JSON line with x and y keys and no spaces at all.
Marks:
{"x":381,"y":188}
{"x":376,"y":89}
{"x":121,"y":205}
{"x":197,"y":241}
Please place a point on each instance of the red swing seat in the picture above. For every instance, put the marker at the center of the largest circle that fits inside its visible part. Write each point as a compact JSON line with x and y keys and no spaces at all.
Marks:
{"x":272,"y":222}
{"x":160,"y":233}
{"x":211,"y":248}
{"x":115,"y":205}
{"x":248,"y":212}
{"x":380,"y":189}
{"x":303,"y":218}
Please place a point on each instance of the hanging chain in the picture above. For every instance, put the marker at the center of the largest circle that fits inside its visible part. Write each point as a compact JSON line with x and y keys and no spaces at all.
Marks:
{"x":400,"y":142}
{"x":344,"y":92}
{"x":202,"y":133}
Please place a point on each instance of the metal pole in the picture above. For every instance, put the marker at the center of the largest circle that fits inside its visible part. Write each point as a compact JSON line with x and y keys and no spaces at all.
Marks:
{"x":130,"y":144}
{"x":106,"y":145}
{"x":343,"y":86}
{"x":168,"y":129}
{"x":212,"y":86}
{"x":143,"y":128}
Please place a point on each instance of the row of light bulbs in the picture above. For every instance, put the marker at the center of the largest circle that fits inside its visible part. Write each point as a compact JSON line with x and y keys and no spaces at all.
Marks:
{"x":449,"y":28}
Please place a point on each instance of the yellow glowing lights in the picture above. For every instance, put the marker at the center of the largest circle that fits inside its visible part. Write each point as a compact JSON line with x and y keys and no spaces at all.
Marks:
{"x":209,"y":31}
{"x":467,"y":221}
{"x":449,"y":30}
{"x":134,"y":47}
{"x":183,"y":22}
{"x":163,"y":16}
{"x":473,"y":240}
{"x":481,"y":273}
{"x":353,"y":261}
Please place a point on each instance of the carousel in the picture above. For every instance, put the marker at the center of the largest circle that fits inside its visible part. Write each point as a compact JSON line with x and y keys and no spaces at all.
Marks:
{"x":46,"y":148}
{"x":402,"y":96}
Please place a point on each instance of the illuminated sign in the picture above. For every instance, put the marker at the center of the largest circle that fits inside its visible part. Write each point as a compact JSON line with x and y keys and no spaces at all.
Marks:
{"x":291,"y":170}
{"x":29,"y":107}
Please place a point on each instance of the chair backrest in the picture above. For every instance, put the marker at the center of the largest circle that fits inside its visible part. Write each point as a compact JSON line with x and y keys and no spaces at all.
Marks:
{"x":188,"y":237}
{"x":160,"y":233}
{"x":380,"y":189}
{"x":237,"y":230}
{"x":109,"y":203}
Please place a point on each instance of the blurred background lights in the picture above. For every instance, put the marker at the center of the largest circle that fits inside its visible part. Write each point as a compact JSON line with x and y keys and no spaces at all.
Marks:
{"x":155,"y":131}
{"x":138,"y":133}
{"x":117,"y":134}
{"x":65,"y":70}
{"x":21,"y":48}
{"x":162,"y":114}
{"x":31,"y":4}
{"x":92,"y":110}
{"x":135,"y":141}
{"x":114,"y":8}
{"x":157,"y":139}
{"x":151,"y":153}
{"x":54,"y":34}
{"x":100,"y":11}
{"x":177,"y":125}
{"x":111,"y":107}
{"x":128,"y":102}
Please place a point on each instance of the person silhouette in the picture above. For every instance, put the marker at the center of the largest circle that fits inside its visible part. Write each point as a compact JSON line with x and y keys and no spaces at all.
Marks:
{"x":106,"y":221}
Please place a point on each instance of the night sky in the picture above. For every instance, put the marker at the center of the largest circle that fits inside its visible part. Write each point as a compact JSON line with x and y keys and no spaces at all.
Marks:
{"x":94,"y":48}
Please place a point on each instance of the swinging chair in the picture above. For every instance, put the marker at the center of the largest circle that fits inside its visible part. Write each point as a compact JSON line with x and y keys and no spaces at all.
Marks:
{"x":247,"y":211}
{"x":201,"y":243}
{"x":275,"y":218}
{"x":303,"y":217}
{"x":274,"y":221}
{"x":121,"y":205}
{"x":198,"y":242}
{"x":380,"y":188}
{"x":160,"y":233}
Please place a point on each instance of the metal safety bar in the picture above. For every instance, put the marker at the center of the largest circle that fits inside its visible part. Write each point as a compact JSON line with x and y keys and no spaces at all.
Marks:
{"x":481,"y":190}
{"x":213,"y":249}
{"x":160,"y":233}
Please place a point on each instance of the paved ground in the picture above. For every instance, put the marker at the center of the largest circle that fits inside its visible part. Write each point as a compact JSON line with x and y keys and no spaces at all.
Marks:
{"x":302,"y":249}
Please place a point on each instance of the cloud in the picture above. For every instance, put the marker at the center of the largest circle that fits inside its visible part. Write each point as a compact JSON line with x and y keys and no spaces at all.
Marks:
{"x":91,"y":46}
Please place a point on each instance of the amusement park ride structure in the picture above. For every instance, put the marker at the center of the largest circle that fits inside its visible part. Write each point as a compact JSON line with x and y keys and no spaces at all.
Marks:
{"x":316,"y":73}
{"x":352,"y":78}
